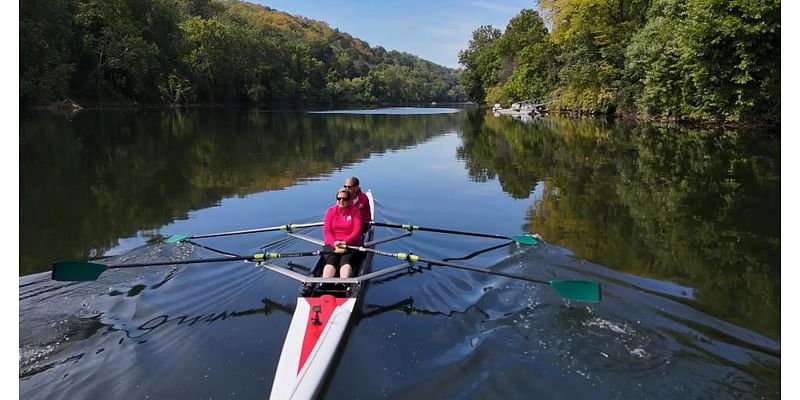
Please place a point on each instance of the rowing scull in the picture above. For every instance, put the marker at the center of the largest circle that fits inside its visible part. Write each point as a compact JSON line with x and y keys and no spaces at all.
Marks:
{"x":317,"y":330}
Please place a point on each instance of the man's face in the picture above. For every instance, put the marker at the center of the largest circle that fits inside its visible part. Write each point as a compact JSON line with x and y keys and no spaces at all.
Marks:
{"x":351,"y":187}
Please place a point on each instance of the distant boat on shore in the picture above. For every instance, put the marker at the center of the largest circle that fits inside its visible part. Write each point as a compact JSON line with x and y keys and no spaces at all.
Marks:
{"x":520,"y":108}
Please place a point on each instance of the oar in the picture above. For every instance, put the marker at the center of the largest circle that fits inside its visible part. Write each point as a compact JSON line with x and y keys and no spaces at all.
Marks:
{"x":587,"y":291}
{"x":287,"y":227}
{"x":89,"y":271}
{"x":475,"y":253}
{"x":521,"y":239}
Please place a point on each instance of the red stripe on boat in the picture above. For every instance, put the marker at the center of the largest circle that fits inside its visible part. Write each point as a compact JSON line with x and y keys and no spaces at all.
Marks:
{"x":327,"y":304}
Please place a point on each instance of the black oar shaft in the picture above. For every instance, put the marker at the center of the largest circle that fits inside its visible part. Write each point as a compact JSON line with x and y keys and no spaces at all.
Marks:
{"x":416,"y":258}
{"x":410,"y":227}
{"x":475,"y":253}
{"x":287,"y":227}
{"x":177,"y":262}
{"x":288,"y":255}
{"x":567,"y":289}
{"x":476,"y":234}
{"x":483,"y":270}
{"x":478,"y":269}
{"x":259,"y":256}
{"x":89,"y":271}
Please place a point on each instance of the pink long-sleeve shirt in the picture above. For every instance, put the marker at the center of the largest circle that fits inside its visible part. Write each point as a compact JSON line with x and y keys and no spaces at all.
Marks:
{"x":362,"y":203}
{"x":342,"y":223}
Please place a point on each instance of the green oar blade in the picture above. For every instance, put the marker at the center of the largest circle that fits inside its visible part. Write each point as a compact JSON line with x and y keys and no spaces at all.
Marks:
{"x":76,"y":271}
{"x":577,"y":290}
{"x":525,"y":239}
{"x":178,"y":238}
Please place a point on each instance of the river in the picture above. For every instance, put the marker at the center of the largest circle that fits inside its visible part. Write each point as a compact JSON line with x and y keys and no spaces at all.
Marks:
{"x":680,"y":226}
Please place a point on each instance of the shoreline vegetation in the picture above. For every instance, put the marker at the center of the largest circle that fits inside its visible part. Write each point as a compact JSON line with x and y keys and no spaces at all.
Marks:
{"x":675,"y":120}
{"x":69,"y":107}
{"x":696,"y":62}
{"x":184,"y":52}
{"x":707,"y":61}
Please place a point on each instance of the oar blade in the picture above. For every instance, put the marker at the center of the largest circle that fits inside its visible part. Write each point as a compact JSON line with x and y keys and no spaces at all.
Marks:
{"x":529,"y":240}
{"x":76,"y":271}
{"x":178,"y":238}
{"x":577,"y":290}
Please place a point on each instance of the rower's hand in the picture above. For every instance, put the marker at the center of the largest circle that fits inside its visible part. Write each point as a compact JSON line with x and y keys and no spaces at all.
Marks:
{"x":340,"y":246}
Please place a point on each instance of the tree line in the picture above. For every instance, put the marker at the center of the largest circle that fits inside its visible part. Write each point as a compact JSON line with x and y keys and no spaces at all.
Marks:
{"x":678,"y":59}
{"x":209,"y":51}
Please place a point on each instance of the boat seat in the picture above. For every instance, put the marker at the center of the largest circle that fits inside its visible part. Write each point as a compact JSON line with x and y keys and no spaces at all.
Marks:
{"x":334,"y":289}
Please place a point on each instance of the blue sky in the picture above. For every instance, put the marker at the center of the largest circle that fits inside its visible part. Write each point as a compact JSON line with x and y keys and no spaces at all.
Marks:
{"x":431,"y":29}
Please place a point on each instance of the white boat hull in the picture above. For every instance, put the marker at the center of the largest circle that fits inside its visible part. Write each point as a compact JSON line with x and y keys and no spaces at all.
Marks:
{"x":309,"y":348}
{"x":315,"y":333}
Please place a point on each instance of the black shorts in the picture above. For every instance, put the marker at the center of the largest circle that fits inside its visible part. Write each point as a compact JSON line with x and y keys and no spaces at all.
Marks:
{"x":348,"y":257}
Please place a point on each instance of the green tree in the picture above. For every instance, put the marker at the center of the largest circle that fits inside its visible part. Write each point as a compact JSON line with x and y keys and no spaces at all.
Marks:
{"x":593,"y":36}
{"x":526,"y":48}
{"x":116,"y":61}
{"x":481,"y":63}
{"x":184,"y":51}
{"x":46,"y":51}
{"x":708,"y":59}
{"x":524,"y":30}
{"x":536,"y":75}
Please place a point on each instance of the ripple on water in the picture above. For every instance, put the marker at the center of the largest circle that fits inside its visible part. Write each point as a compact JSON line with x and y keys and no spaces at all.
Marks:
{"x":471,"y":335}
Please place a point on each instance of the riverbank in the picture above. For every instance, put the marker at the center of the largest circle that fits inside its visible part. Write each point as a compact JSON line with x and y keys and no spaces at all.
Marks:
{"x":70,"y":107}
{"x":673,"y":120}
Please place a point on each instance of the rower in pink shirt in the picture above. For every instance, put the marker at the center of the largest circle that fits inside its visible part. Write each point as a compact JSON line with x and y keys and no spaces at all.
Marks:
{"x":359,"y":200}
{"x":342,"y":225}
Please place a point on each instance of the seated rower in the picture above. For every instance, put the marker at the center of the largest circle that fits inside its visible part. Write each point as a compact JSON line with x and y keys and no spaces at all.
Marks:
{"x":342,"y":225}
{"x":360,"y":201}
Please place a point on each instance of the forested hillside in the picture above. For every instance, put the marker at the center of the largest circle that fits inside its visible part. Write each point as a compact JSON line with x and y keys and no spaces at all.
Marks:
{"x":678,"y":59}
{"x":111,"y":52}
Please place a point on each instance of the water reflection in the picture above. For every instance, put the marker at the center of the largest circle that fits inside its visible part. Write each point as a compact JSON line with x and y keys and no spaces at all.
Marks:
{"x":105,"y":175}
{"x":693,"y":206}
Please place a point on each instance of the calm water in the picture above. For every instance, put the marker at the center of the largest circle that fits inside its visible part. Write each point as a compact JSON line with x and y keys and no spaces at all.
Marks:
{"x":680,"y":226}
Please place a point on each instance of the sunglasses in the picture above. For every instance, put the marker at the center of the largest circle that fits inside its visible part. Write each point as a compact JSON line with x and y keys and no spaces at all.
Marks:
{"x":348,"y":186}
{"x":342,"y":198}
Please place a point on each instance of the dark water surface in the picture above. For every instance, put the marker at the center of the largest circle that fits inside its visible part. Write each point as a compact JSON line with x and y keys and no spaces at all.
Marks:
{"x":681,"y":227}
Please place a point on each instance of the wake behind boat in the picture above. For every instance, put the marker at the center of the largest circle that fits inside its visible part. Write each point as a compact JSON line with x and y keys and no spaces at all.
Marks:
{"x":326,"y":306}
